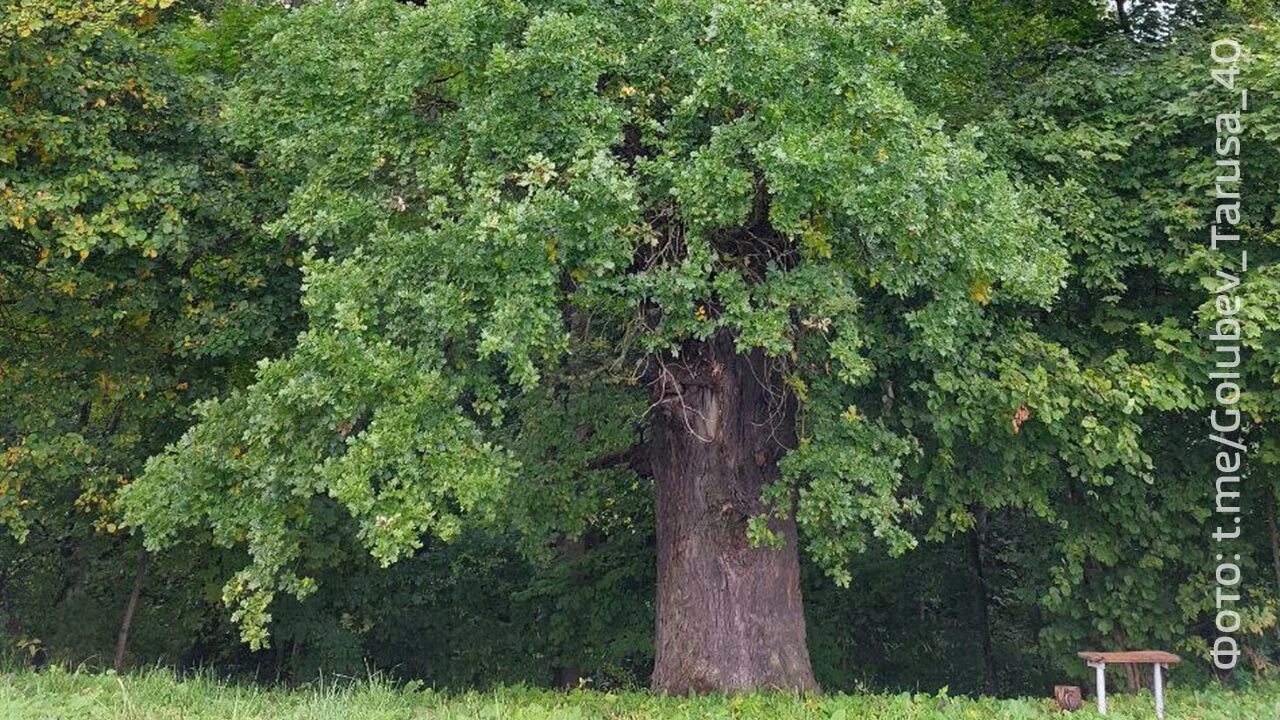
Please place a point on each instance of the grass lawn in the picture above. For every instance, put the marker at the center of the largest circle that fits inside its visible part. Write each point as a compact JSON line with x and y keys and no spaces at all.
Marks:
{"x":158,"y":695}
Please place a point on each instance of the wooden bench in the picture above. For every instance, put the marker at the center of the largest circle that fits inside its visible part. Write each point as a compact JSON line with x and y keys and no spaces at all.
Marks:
{"x":1159,"y":661}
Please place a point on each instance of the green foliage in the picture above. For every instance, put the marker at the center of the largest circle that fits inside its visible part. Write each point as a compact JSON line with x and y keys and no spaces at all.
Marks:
{"x":1088,"y":422}
{"x":134,"y":272}
{"x":133,"y":279}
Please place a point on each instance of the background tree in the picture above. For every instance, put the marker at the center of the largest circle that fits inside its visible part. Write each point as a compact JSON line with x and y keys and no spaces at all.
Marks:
{"x":133,"y":279}
{"x":1081,"y":465}
{"x":1123,"y":154}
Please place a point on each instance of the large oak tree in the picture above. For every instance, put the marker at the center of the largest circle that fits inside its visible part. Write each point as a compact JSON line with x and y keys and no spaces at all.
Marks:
{"x":691,"y":235}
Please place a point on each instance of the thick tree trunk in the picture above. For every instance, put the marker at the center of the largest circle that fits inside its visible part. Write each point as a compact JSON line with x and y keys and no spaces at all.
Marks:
{"x":729,"y":616}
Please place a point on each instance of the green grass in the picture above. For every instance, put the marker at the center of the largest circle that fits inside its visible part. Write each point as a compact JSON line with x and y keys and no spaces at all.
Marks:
{"x":159,"y":695}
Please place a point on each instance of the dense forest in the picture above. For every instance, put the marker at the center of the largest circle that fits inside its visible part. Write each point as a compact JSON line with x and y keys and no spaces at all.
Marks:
{"x":689,"y":345}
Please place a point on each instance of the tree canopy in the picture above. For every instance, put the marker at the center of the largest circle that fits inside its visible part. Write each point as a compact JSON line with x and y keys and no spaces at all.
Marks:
{"x":570,"y":198}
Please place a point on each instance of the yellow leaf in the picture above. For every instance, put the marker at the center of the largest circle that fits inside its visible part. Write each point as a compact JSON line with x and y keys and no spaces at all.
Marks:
{"x":816,"y":239}
{"x":980,"y":292}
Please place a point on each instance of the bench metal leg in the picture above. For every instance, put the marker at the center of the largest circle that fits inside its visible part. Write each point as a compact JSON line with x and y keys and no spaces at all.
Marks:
{"x":1159,"y":678}
{"x":1101,"y":669}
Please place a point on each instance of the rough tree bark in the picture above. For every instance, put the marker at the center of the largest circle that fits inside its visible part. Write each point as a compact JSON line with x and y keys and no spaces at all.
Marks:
{"x":729,"y":616}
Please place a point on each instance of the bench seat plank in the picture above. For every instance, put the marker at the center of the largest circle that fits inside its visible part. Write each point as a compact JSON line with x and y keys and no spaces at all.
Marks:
{"x":1135,"y":656}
